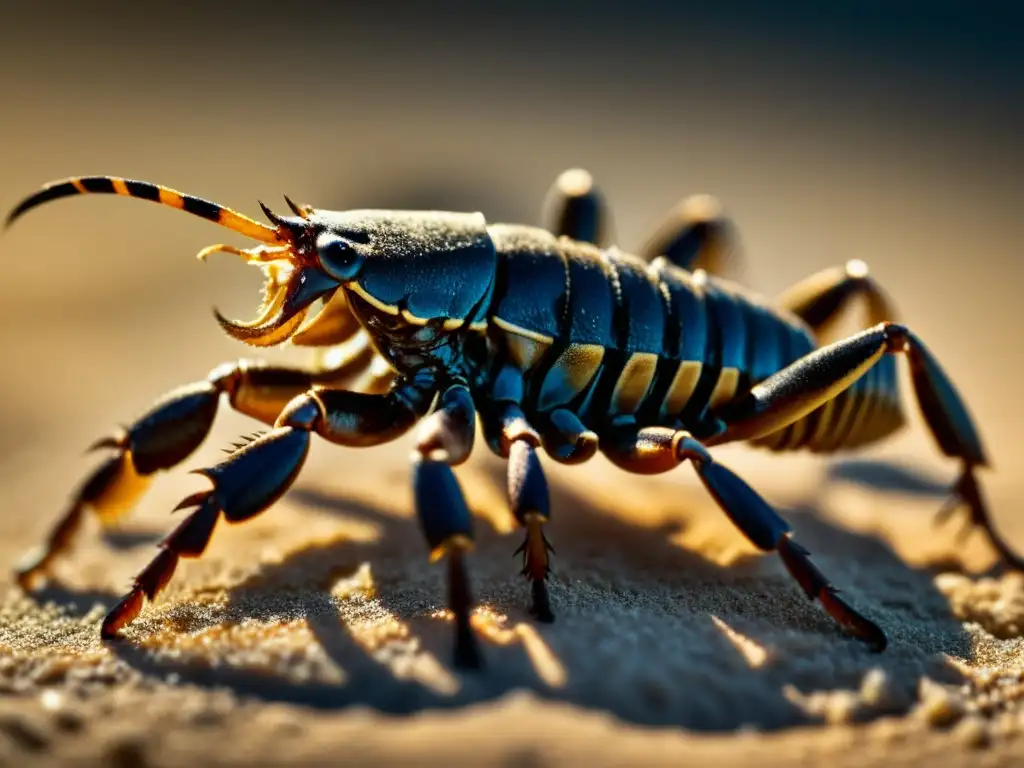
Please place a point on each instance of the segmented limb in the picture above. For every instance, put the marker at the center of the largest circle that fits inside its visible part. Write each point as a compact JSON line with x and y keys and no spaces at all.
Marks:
{"x":165,"y":436}
{"x":445,"y":440}
{"x":695,"y":234}
{"x":575,"y":208}
{"x":801,"y":387}
{"x":821,"y":299}
{"x":255,"y":476}
{"x":529,"y":499}
{"x":567,"y":439}
{"x":510,"y":435}
{"x":658,"y":449}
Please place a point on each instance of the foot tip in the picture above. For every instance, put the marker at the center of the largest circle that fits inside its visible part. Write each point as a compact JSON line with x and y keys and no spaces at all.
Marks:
{"x":121,"y":614}
{"x":468,"y":658}
{"x":30,"y":573}
{"x":30,"y":579}
{"x":872,"y":636}
{"x":466,"y":655}
{"x":542,"y":614}
{"x":112,"y":624}
{"x":853,"y":622}
{"x":540,"y":607}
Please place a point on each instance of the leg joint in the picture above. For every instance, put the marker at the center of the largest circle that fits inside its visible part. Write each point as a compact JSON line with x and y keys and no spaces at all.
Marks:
{"x":226,"y":377}
{"x":687,"y":448}
{"x":304,"y":412}
{"x":856,"y":270}
{"x":897,"y":337}
{"x":448,"y":434}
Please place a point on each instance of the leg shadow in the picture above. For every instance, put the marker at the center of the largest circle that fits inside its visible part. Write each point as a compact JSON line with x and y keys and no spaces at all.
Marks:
{"x":889,"y":476}
{"x":648,"y":630}
{"x":895,"y":477}
{"x":78,"y":601}
{"x":74,"y":601}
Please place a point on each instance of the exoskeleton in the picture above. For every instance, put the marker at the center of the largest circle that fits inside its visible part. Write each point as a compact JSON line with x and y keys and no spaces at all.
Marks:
{"x":549,"y":339}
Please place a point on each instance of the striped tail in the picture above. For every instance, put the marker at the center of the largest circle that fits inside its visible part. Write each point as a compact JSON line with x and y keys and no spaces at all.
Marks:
{"x":112,"y":185}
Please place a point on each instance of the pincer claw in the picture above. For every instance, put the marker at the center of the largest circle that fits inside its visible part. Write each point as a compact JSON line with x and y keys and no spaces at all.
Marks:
{"x":258,"y":474}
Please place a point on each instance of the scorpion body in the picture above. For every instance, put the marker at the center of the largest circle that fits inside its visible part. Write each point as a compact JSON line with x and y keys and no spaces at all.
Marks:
{"x":547,"y":337}
{"x":606,"y":338}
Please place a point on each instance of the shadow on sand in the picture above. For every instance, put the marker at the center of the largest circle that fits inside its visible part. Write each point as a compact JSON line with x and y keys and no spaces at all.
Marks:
{"x":658,"y":635}
{"x":889,"y":476}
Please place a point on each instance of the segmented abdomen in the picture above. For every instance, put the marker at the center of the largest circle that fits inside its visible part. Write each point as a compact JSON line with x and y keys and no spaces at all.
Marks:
{"x":604,"y":335}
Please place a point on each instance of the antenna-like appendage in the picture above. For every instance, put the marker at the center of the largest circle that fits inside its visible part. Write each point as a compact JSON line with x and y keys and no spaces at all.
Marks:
{"x":112,"y":185}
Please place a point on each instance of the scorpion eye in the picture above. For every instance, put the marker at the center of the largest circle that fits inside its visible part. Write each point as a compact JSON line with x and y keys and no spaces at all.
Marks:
{"x":337,"y":256}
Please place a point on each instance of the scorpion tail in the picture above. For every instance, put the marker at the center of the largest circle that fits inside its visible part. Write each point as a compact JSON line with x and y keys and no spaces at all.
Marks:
{"x":113,"y":185}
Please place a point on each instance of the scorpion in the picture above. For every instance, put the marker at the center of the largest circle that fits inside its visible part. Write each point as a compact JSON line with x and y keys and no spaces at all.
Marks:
{"x":547,"y":337}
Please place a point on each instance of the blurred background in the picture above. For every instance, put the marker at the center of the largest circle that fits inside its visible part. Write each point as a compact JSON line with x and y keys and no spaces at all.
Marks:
{"x":882,"y":131}
{"x":887,"y":131}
